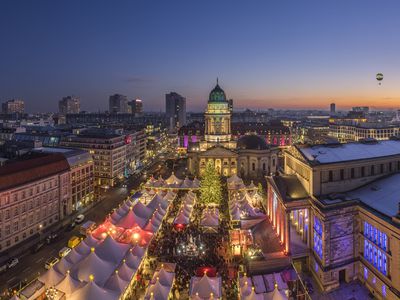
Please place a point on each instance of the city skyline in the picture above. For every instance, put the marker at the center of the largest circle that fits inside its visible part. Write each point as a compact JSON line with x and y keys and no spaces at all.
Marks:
{"x":267,"y":55}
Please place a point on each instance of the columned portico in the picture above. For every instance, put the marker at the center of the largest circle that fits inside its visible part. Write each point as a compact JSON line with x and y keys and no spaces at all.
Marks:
{"x":289,"y":217}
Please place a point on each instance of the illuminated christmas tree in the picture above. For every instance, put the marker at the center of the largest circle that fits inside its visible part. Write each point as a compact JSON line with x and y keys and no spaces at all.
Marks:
{"x":210,"y":185}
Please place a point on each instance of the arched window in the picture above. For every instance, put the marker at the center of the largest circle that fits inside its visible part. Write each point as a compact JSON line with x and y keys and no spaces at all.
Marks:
{"x":263,"y":166}
{"x":253,"y":166}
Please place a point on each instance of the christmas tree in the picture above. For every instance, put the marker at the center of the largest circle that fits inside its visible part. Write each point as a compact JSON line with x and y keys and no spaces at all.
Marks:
{"x":210,"y":185}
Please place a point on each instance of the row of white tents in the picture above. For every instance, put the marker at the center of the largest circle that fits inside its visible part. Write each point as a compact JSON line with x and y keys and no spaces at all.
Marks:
{"x":161,"y":284}
{"x":172,"y":182}
{"x":263,"y":287}
{"x":104,"y":264}
{"x":183,"y":216}
{"x":236,"y":183}
{"x":210,"y":218}
{"x":241,"y":205}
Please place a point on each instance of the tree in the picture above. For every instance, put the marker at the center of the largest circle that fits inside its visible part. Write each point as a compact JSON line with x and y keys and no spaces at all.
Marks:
{"x":210,"y":185}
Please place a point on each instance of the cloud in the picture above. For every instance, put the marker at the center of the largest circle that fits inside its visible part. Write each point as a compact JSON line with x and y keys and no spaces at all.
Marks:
{"x":136,"y":79}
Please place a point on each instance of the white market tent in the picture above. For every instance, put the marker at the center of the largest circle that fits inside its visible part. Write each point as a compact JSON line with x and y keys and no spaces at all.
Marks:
{"x":103,"y":265}
{"x":204,"y":286}
{"x":91,"y":291}
{"x":172,"y":183}
{"x":68,"y":285}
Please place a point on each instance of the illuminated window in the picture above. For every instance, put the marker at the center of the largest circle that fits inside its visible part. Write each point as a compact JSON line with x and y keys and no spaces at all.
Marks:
{"x":317,"y":236}
{"x":384,"y":290}
{"x":365,"y":273}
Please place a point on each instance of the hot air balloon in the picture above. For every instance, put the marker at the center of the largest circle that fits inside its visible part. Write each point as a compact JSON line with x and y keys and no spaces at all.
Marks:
{"x":379,"y":77}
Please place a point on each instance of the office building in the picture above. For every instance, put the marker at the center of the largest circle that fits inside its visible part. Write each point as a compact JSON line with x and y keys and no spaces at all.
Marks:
{"x":118,"y":104}
{"x":69,"y":105}
{"x":108,"y":151}
{"x":175,"y":107}
{"x":13,"y":106}
{"x":336,"y":210}
{"x":332,"y":109}
{"x":136,"y":107}
{"x":356,"y":132}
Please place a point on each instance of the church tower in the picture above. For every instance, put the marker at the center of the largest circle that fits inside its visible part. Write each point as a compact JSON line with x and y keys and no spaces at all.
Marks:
{"x":218,"y":121}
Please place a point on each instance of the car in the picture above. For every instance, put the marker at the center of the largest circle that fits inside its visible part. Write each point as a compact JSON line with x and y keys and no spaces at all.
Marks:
{"x":51,"y":262}
{"x":37,"y":247}
{"x":13,"y":262}
{"x":52,"y":237}
{"x":79,"y":219}
{"x":64,"y":252}
{"x":74,"y":241}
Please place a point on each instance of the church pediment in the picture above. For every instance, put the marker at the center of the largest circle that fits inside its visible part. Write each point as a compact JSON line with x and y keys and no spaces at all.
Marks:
{"x":218,"y":152}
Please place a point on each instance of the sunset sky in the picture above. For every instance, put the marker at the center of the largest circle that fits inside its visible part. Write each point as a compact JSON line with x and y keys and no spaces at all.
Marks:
{"x":267,"y":54}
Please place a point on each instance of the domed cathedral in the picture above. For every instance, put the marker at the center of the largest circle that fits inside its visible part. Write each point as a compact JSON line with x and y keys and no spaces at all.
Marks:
{"x":250,"y":156}
{"x":218,"y":121}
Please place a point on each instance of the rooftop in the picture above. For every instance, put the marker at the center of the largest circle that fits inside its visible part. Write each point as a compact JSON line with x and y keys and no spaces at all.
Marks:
{"x":32,"y":169}
{"x":73,"y":156}
{"x":325,"y":154}
{"x":290,"y":187}
{"x":381,"y":195}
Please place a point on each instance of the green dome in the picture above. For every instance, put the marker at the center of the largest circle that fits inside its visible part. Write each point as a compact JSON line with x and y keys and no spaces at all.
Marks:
{"x":217,"y":95}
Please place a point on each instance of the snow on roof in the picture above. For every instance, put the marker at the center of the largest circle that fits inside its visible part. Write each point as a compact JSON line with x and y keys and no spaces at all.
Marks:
{"x":381,"y":195}
{"x":350,"y":151}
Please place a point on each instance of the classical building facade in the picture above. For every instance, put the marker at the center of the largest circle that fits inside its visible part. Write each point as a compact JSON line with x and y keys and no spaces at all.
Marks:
{"x":249,"y":156}
{"x":336,"y":210}
{"x":34,"y":195}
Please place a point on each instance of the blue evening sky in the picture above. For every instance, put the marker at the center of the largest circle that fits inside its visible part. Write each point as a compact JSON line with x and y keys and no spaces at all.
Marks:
{"x":294,"y":54}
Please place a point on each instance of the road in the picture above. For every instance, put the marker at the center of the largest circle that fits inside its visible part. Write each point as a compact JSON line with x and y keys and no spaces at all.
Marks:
{"x":32,"y":264}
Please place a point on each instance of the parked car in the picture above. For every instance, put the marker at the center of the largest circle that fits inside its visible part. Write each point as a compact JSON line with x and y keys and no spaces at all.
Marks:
{"x":52,"y":237}
{"x":79,"y":219}
{"x":3,"y":268}
{"x":70,"y":227}
{"x":13,"y":262}
{"x":64,"y":252}
{"x":87,"y":227}
{"x":51,"y":262}
{"x":37,"y":247}
{"x":74,"y":241}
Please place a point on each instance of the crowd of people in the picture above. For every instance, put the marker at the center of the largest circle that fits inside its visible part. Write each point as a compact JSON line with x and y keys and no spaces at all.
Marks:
{"x":207,"y":249}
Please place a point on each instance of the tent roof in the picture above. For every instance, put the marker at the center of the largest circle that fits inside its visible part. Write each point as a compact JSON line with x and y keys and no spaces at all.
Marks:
{"x":116,"y":283}
{"x":51,"y":277}
{"x":69,"y":285}
{"x":111,"y":250}
{"x":165,"y":278}
{"x":125,"y":272}
{"x":91,"y":291}
{"x":93,"y":265}
{"x":205,"y":286}
{"x":157,"y":291}
{"x":276,"y":295}
{"x":173,"y":179}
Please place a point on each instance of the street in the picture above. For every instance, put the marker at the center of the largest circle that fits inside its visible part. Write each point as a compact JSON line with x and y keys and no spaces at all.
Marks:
{"x":32,"y":264}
